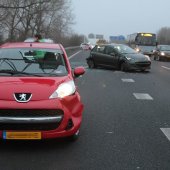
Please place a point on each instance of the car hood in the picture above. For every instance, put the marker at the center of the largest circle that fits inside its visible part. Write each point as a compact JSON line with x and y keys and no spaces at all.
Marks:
{"x":137,"y":57}
{"x":39,"y":88}
{"x":166,"y":52}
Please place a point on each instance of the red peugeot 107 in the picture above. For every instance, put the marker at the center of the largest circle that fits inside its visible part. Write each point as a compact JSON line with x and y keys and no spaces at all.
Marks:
{"x":38,"y":96}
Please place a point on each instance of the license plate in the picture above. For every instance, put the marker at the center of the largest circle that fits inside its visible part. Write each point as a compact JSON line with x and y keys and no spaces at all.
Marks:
{"x":22,"y":135}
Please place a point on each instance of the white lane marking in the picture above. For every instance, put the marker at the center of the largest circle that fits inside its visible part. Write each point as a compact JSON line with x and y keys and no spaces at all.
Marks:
{"x":165,"y":67}
{"x":128,"y":80}
{"x":166,"y":132}
{"x":142,"y":96}
{"x":74,"y":55}
{"x":109,"y":132}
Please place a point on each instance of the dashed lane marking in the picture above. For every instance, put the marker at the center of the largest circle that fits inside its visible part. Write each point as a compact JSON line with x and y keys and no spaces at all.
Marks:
{"x":128,"y":80}
{"x":74,"y":55}
{"x":142,"y":96}
{"x":166,"y":132}
{"x":165,"y":67}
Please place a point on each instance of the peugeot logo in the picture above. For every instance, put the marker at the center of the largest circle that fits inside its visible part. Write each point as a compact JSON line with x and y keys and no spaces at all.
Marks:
{"x":22,"y":97}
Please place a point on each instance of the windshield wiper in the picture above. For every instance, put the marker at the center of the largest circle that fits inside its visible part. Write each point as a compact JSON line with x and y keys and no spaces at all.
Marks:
{"x":14,"y":72}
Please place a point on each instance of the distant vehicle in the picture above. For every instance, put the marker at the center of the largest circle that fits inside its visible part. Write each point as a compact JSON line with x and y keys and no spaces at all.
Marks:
{"x":118,"y":56}
{"x":39,"y":99}
{"x":142,"y":42}
{"x":86,"y":46}
{"x":162,"y":53}
{"x":46,"y":40}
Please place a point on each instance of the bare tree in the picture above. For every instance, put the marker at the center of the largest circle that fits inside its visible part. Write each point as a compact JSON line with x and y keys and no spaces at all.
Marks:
{"x":163,"y":35}
{"x":10,"y":6}
{"x":23,"y":18}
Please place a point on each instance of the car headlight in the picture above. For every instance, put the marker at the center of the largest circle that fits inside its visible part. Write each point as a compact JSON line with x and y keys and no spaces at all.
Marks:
{"x":162,"y":53}
{"x":138,"y":49}
{"x":148,"y":57}
{"x":128,"y":58}
{"x":64,"y":89}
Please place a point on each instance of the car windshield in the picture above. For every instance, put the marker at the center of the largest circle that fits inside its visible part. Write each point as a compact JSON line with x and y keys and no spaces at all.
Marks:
{"x":123,"y":49}
{"x":165,"y":48}
{"x":32,"y":62}
{"x":146,"y":40}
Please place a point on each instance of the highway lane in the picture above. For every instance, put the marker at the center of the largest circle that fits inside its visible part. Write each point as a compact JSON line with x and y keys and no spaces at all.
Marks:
{"x":133,"y":125}
{"x":118,"y":131}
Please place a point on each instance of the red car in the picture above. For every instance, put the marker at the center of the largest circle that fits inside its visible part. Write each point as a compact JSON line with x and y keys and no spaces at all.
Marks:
{"x":39,"y":99}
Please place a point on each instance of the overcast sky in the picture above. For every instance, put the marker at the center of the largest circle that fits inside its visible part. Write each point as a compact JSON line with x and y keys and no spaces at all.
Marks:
{"x":120,"y":17}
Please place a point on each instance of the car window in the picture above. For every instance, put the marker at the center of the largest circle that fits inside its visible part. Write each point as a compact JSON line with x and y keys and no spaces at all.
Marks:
{"x":165,"y":48}
{"x":124,"y":49}
{"x":109,"y":50}
{"x":33,"y":61}
{"x":46,"y":40}
{"x":100,"y":49}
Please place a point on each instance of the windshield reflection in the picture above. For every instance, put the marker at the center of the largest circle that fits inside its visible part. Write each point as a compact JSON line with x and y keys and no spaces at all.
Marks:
{"x":32,"y":62}
{"x":124,"y":49}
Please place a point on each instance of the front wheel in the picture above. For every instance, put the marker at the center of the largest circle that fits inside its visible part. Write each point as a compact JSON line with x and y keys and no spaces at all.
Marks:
{"x":123,"y":67}
{"x":154,"y":57}
{"x":158,"y":58}
{"x":91,"y":63}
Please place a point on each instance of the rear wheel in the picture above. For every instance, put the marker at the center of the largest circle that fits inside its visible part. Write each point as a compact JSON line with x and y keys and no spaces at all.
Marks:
{"x":123,"y":67}
{"x":91,"y":63}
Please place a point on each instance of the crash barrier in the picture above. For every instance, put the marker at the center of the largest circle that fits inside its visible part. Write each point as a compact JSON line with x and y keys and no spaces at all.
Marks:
{"x":72,"y":50}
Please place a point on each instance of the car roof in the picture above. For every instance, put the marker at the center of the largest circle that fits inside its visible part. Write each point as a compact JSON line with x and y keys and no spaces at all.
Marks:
{"x":33,"y":45}
{"x":163,"y":45}
{"x":112,"y":44}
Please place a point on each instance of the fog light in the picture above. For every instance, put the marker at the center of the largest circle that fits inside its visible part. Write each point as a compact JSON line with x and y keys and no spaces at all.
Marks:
{"x":69,"y":124}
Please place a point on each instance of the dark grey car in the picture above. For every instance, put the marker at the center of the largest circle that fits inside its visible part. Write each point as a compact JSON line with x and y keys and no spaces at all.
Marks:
{"x":118,"y":56}
{"x":162,"y":52}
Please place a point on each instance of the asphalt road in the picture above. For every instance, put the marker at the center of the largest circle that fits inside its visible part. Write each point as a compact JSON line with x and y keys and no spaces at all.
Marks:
{"x":125,"y":125}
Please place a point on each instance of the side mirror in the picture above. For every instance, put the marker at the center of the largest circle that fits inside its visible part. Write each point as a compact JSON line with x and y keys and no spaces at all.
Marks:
{"x":112,"y":54}
{"x":78,"y":71}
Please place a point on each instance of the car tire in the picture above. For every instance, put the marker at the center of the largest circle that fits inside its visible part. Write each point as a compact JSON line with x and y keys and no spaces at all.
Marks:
{"x":158,"y":58}
{"x":74,"y":137}
{"x":123,"y":67}
{"x":154,"y":57}
{"x":91,"y":63}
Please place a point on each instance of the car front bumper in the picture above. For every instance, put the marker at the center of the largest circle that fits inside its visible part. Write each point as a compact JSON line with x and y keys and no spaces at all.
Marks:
{"x":165,"y":57}
{"x":138,"y":66}
{"x":51,"y":118}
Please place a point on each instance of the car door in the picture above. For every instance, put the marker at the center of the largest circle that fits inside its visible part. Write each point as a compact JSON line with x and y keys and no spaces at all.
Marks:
{"x":111,"y":57}
{"x":98,"y":55}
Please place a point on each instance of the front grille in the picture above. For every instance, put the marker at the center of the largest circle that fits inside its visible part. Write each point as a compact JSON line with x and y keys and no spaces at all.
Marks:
{"x":143,"y":64}
{"x":167,"y":55}
{"x":30,"y":127}
{"x":30,"y":113}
